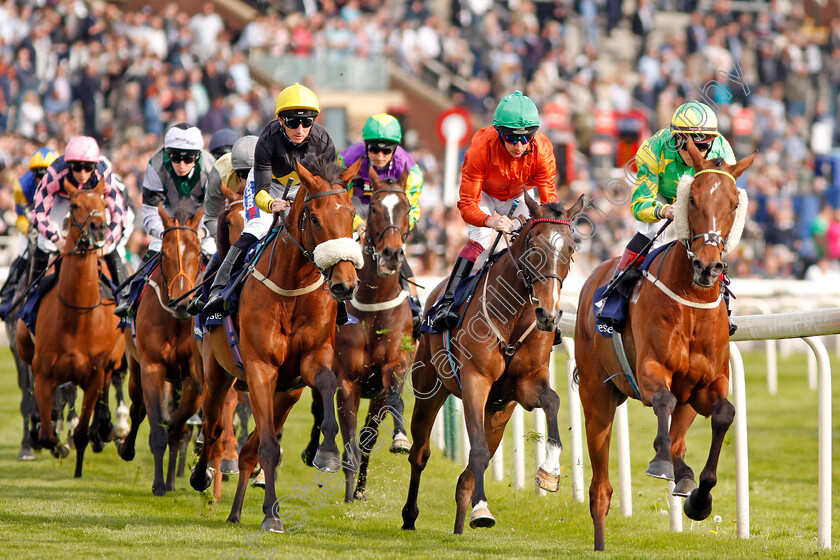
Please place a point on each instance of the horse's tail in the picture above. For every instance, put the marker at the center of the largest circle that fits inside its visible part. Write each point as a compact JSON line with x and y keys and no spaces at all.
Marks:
{"x":576,"y":376}
{"x":223,"y":233}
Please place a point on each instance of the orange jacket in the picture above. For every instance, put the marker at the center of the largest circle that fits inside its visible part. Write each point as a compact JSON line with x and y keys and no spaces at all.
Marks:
{"x":488,"y":167}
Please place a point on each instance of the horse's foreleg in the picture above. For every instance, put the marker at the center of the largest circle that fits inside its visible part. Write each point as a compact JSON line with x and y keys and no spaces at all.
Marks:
{"x":476,"y":389}
{"x":217,"y":383}
{"x":494,"y":429}
{"x":80,"y":434}
{"x":327,"y":457}
{"x":393,"y":379}
{"x":137,"y":411}
{"x":101,"y":429}
{"x":348,"y":409}
{"x":317,"y":409}
{"x":44,"y":390}
{"x":661,"y":465}
{"x":190,"y":401}
{"x":243,"y":412}
{"x":681,"y":419}
{"x":27,"y":404}
{"x":534,"y":392}
{"x":152,"y":386}
{"x":698,"y":506}
{"x":230,"y":457}
{"x":430,"y":396}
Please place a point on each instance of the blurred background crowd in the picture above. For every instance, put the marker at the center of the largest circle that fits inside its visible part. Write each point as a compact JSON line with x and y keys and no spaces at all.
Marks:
{"x":605,"y":74}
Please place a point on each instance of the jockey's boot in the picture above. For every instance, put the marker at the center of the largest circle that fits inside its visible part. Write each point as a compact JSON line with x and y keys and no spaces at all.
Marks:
{"x":216,"y":303}
{"x":447,"y":315}
{"x":558,"y":337}
{"x":116,"y":267}
{"x":197,"y":303}
{"x":628,"y":264}
{"x":416,"y":316}
{"x":7,"y":294}
{"x":40,"y":260}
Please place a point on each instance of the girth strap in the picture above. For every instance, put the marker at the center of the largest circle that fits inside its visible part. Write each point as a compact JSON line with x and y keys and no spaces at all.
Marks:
{"x":288,"y":293}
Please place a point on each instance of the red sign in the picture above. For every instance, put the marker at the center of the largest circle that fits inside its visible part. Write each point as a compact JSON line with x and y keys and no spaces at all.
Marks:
{"x":604,"y":122}
{"x":456,"y":120}
{"x":556,"y":115}
{"x":742,"y":123}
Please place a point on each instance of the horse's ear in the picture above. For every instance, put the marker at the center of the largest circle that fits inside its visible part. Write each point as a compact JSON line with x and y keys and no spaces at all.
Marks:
{"x":534,"y":207}
{"x":228,"y":194}
{"x":351,"y":171}
{"x":167,"y":221}
{"x":306,"y":178}
{"x":196,"y":219}
{"x":404,"y":177}
{"x":696,"y":158}
{"x":375,"y":180}
{"x":576,"y":208}
{"x":742,"y":165}
{"x":100,"y":187}
{"x":69,"y":188}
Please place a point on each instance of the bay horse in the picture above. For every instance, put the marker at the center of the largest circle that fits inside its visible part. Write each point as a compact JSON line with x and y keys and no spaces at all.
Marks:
{"x":497,"y":358}
{"x":372,"y":356}
{"x":162,"y":349}
{"x":286,"y":325}
{"x":75,"y":337}
{"x":676,"y":339}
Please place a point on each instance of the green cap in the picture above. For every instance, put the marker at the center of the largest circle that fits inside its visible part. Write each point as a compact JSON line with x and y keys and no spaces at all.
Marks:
{"x":383,"y":127}
{"x":517,"y":114}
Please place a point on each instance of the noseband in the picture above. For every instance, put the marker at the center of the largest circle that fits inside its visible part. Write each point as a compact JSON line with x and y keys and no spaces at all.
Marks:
{"x":523,"y":272}
{"x":710,"y":237}
{"x":83,"y":244}
{"x":370,"y":244}
{"x":170,"y":285}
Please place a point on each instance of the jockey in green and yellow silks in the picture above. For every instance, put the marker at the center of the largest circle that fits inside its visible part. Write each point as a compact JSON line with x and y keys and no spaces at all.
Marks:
{"x":660,"y":166}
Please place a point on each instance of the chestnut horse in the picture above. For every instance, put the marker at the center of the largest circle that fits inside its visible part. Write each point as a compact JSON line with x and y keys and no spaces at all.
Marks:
{"x":286,"y":325}
{"x":162,"y":348}
{"x":676,"y":339}
{"x":76,"y":337}
{"x":372,"y":356}
{"x":497,"y":359}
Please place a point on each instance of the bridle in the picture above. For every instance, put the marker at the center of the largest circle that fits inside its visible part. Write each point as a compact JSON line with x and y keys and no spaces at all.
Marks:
{"x":710,"y":237}
{"x":84,"y":244}
{"x":370,"y":244}
{"x":171,"y":284}
{"x":529,"y":277}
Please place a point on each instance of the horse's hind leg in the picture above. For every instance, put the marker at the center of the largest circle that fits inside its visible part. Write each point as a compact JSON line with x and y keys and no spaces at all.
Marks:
{"x":27,"y":401}
{"x":396,"y":406}
{"x":317,"y":409}
{"x":137,"y":411}
{"x":681,"y":419}
{"x":248,"y":458}
{"x":698,"y":506}
{"x":430,"y":396}
{"x":367,"y":440}
{"x":190,"y":401}
{"x":327,"y":458}
{"x":661,"y":465}
{"x":494,"y":430}
{"x":348,"y":410}
{"x":230,"y":458}
{"x":81,"y":435}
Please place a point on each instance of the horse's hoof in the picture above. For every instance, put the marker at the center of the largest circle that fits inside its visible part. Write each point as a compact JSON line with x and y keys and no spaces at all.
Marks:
{"x":259,"y":480}
{"x":697,"y":514}
{"x":234,"y":519}
{"x":195,"y":420}
{"x":684,"y":488}
{"x":170,"y":488}
{"x":360,"y":495}
{"x":96,"y":442}
{"x":306,"y":458}
{"x":400,"y":444}
{"x":481,"y":516}
{"x":547,"y":481}
{"x":26,"y":454}
{"x":122,"y":427}
{"x":229,"y":466}
{"x":61,"y":451}
{"x":126,"y":453}
{"x":327,"y":461}
{"x":159,"y":490}
{"x":201,"y":480}
{"x":272,"y":524}
{"x":661,"y":469}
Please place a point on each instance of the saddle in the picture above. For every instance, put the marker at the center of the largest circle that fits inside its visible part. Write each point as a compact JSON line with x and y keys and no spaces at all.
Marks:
{"x":29,"y":310}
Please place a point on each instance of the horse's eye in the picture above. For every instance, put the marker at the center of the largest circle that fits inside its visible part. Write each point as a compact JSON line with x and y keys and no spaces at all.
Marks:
{"x":315,"y":221}
{"x":691,"y":200}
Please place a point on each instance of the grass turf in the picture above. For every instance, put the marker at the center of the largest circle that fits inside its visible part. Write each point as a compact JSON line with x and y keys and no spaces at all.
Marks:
{"x":111,"y":513}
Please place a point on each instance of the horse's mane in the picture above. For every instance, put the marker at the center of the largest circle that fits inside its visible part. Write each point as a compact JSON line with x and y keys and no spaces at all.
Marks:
{"x":184,"y":211}
{"x":223,"y":233}
{"x":558,"y":208}
{"x":329,"y":170}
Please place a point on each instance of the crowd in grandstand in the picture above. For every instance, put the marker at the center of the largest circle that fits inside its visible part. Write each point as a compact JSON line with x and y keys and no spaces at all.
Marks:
{"x":124,"y":77}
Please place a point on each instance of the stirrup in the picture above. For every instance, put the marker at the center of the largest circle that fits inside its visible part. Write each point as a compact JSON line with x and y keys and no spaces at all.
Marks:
{"x":445,"y":318}
{"x":216,"y":303}
{"x":123,"y":310}
{"x":196,"y":305}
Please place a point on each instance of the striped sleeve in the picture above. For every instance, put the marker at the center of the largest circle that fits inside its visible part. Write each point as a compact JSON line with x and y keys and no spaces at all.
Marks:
{"x":116,"y":207}
{"x":43,"y":201}
{"x":644,"y":203}
{"x":413,"y":188}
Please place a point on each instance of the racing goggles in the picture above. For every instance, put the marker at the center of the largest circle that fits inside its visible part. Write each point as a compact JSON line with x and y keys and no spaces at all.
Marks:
{"x":514,"y":139}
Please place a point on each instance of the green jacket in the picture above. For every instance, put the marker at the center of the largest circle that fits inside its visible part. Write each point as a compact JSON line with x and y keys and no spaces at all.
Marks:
{"x":660,"y":169}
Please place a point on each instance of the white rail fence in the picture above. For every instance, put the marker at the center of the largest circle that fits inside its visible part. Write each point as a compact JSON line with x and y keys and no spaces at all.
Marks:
{"x":804,"y":325}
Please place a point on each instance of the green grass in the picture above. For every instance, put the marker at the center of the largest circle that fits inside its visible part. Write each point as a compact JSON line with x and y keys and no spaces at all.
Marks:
{"x":111,"y":513}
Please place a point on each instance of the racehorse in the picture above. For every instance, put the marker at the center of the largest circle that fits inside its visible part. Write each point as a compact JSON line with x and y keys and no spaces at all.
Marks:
{"x":162,"y":348}
{"x":497,"y":358}
{"x":372,"y":356}
{"x":676,"y":341}
{"x":75,"y":336}
{"x":286,"y":328}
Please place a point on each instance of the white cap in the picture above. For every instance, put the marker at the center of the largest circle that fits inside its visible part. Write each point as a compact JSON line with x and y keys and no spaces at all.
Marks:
{"x":183,"y":137}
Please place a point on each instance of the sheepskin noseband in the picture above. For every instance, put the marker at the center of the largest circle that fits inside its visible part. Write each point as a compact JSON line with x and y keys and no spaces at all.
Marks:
{"x":330,"y":252}
{"x":683,"y":231}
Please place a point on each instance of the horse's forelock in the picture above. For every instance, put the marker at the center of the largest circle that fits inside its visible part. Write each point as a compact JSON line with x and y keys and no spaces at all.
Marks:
{"x":329,"y":170}
{"x":185,"y":210}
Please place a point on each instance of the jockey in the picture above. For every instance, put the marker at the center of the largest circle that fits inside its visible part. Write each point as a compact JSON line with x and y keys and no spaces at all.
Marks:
{"x":501,"y":162}
{"x":231,"y":171}
{"x":380,"y":148}
{"x":24,"y":191}
{"x":661,"y":162}
{"x":82,"y":167}
{"x":292,"y":137}
{"x":222,"y":142}
{"x":176,"y":174}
